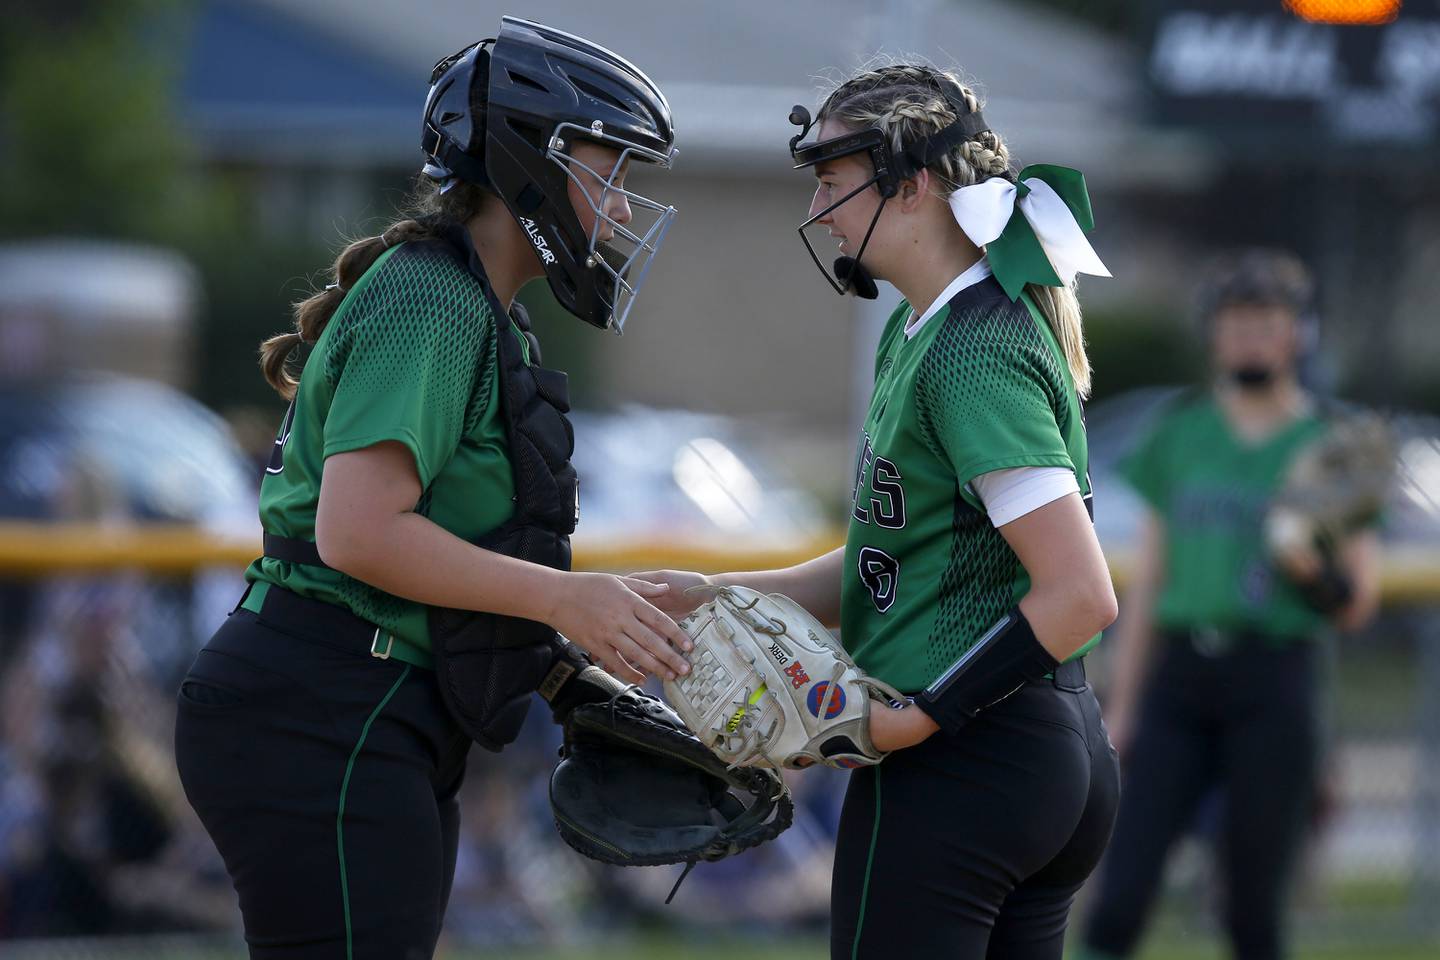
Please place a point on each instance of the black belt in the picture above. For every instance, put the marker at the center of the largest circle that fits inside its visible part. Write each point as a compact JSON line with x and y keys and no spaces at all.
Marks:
{"x":1212,"y":641}
{"x":292,"y":550}
{"x":324,"y":623}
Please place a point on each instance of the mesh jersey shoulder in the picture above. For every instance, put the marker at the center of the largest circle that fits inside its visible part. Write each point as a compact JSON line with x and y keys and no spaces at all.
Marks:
{"x":989,"y":362}
{"x":421,"y":315}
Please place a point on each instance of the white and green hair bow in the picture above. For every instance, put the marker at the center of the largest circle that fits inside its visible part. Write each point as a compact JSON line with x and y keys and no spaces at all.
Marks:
{"x":1033,"y":229}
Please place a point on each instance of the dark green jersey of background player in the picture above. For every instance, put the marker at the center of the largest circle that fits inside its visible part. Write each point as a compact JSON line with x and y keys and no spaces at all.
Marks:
{"x":981,"y":386}
{"x":1211,"y":491}
{"x":408,"y":357}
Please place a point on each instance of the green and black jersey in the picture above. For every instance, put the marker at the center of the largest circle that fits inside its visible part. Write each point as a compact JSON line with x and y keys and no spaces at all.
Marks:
{"x":981,"y":386}
{"x":1211,"y":490}
{"x":409,"y":356}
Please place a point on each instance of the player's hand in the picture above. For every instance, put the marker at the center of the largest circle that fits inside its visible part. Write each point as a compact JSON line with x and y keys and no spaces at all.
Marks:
{"x":682,"y":597}
{"x":893,"y":728}
{"x":612,"y":619}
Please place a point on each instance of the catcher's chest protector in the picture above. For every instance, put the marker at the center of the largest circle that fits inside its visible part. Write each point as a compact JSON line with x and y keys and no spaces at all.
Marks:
{"x":488,"y":665}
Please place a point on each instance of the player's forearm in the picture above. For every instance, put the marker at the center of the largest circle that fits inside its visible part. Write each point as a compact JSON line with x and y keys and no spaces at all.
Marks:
{"x":1065,"y":614}
{"x":410,"y":556}
{"x":814,"y":584}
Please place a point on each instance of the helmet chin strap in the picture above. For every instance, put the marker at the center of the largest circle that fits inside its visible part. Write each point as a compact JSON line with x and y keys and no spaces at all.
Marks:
{"x":852,"y":273}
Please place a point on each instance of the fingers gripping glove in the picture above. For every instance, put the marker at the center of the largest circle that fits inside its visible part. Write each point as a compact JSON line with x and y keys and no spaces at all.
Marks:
{"x":635,"y":788}
{"x":769,"y":686}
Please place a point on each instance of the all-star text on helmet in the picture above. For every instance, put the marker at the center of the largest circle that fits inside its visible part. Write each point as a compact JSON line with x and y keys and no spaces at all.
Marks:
{"x":505,"y":114}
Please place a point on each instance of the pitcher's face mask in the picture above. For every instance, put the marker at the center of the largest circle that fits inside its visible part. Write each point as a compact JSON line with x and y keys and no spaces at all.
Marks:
{"x":889,"y":169}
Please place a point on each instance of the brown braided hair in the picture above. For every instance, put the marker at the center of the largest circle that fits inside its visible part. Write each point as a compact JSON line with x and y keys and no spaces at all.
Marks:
{"x":429,"y":211}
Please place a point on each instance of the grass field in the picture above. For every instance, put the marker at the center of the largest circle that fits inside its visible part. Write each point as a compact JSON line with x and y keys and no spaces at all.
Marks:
{"x":811,"y":950}
{"x":671,"y":949}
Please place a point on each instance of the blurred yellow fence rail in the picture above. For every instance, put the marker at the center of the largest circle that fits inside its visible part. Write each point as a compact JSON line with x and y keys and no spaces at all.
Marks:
{"x":38,"y":549}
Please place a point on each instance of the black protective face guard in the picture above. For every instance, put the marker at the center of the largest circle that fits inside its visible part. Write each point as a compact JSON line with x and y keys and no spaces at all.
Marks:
{"x":890,"y":168}
{"x":625,"y":260}
{"x":848,"y":272}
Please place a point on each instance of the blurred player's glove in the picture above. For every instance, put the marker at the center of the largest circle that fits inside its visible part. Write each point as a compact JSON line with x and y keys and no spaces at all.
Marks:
{"x":770,"y":687}
{"x":1332,"y":488}
{"x":635,"y":788}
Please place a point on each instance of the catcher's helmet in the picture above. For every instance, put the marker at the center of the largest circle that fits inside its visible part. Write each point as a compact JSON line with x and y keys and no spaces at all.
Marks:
{"x":504,"y":114}
{"x":1257,"y":276}
{"x":1271,"y":277}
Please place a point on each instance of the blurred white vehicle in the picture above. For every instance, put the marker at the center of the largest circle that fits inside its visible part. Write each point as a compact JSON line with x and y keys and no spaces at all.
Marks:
{"x":671,"y":475}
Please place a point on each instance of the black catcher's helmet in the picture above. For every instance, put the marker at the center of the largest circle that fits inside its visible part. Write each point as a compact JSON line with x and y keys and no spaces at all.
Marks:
{"x":1257,"y":275}
{"x":504,"y":114}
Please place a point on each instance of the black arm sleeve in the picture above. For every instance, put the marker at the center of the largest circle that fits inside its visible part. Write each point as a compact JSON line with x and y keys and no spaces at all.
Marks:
{"x":1002,"y":661}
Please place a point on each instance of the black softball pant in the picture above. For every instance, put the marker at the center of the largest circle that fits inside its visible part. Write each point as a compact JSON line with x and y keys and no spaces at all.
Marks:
{"x":974,"y":846}
{"x":327,"y":779}
{"x":1247,"y":723}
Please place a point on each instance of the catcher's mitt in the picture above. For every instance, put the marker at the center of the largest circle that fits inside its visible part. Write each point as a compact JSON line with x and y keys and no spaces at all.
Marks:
{"x":770,"y":687}
{"x":635,"y":788}
{"x":1335,"y":486}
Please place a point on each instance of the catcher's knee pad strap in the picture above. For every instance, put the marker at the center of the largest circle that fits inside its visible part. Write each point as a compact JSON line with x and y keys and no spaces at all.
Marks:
{"x":1002,"y":661}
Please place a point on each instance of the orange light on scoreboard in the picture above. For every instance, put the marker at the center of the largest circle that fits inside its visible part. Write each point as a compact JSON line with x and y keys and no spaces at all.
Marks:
{"x":1354,"y":12}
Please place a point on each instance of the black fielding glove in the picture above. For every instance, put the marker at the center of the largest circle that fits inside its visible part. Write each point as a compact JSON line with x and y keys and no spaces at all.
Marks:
{"x":634,"y":787}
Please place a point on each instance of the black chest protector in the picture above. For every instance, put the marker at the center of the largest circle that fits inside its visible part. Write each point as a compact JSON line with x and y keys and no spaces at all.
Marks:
{"x":487,"y":666}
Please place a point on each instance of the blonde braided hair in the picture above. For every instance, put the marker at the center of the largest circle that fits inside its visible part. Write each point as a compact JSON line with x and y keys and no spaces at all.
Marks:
{"x":908,"y":102}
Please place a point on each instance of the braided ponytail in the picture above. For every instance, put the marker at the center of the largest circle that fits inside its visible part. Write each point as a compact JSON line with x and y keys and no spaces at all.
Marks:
{"x":430,"y":212}
{"x":911,"y":101}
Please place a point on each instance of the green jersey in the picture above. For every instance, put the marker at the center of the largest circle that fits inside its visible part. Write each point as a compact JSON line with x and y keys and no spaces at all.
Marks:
{"x":1211,"y":490}
{"x":409,"y":356}
{"x":981,"y":386}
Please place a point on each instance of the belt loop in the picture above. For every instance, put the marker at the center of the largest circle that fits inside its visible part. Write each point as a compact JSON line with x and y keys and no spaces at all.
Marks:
{"x":375,"y":645}
{"x":1210,"y":641}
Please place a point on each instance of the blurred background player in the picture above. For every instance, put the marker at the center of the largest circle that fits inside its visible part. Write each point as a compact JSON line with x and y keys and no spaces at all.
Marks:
{"x":971,"y":570}
{"x":1219,"y":656}
{"x":311,"y":739}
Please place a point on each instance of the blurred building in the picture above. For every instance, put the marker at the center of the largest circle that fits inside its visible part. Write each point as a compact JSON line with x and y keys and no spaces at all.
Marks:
{"x":1220,"y":122}
{"x":337,"y":105}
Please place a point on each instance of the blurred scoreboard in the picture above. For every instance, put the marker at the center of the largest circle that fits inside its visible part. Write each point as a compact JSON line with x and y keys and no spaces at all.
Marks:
{"x":1298,"y":74}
